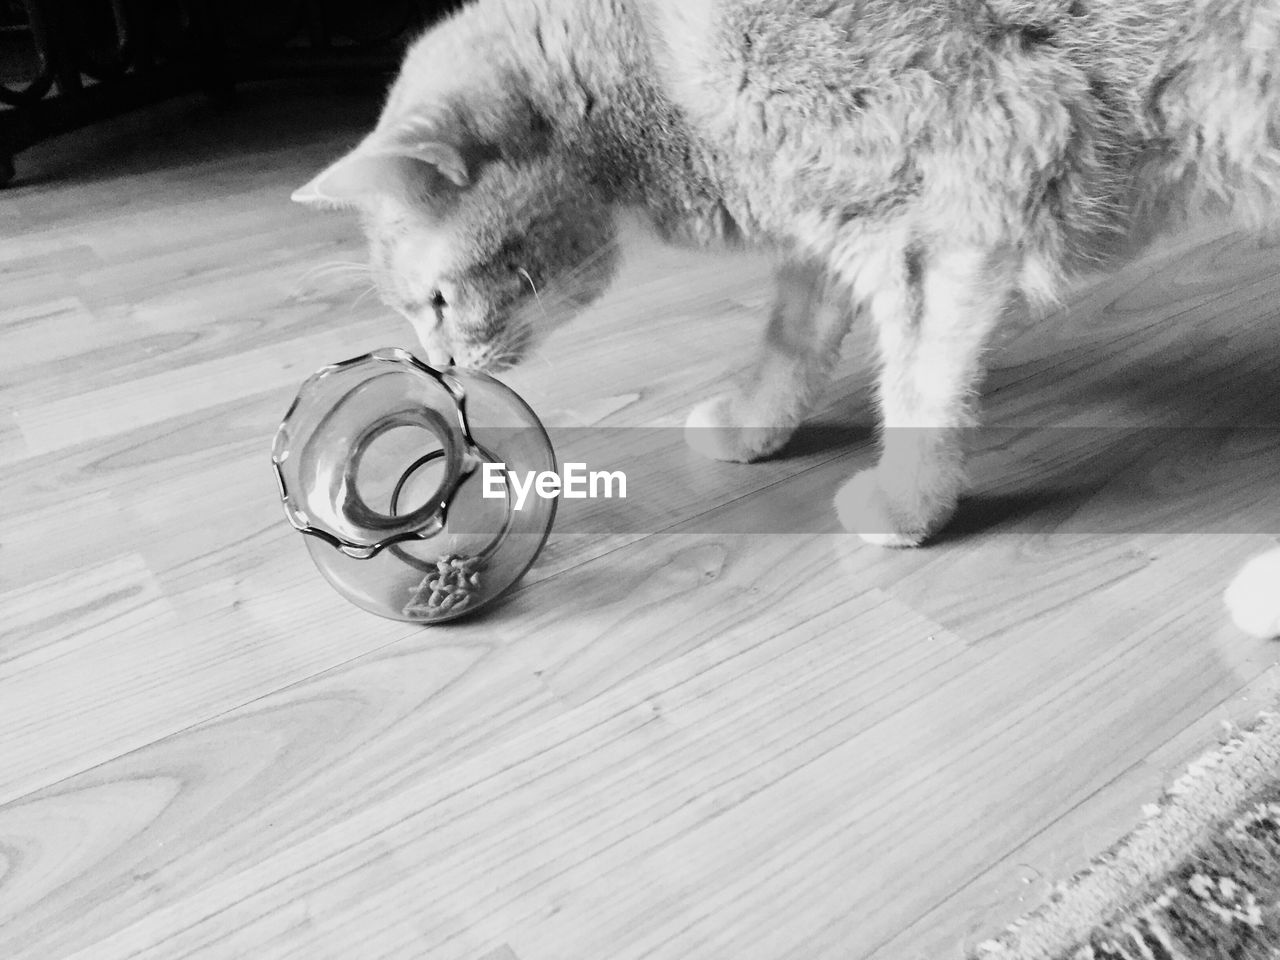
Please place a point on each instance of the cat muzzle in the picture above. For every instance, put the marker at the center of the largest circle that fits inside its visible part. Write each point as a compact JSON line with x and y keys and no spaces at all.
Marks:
{"x":439,"y":353}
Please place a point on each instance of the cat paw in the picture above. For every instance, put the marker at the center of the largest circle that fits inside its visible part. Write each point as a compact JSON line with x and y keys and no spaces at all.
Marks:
{"x":712,"y":430}
{"x":888,"y":520}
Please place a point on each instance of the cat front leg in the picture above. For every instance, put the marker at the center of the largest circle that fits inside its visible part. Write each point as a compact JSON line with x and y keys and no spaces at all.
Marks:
{"x":758,"y":414}
{"x":931,"y":330}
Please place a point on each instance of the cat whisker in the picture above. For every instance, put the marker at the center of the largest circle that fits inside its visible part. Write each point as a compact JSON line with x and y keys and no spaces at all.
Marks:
{"x":512,"y":344}
{"x":342,"y":272}
{"x":566,"y":289}
{"x":570,"y":290}
{"x":589,"y":260}
{"x":336,"y":268}
{"x":371,"y":288}
{"x":532,"y":286}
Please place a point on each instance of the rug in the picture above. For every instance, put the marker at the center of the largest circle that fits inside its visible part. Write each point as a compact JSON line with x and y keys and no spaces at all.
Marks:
{"x":1198,"y":880}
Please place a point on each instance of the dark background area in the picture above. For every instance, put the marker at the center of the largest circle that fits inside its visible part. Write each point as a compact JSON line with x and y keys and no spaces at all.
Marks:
{"x":67,"y":63}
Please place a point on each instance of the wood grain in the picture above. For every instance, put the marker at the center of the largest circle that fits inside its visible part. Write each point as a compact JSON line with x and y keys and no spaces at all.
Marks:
{"x":683,"y":737}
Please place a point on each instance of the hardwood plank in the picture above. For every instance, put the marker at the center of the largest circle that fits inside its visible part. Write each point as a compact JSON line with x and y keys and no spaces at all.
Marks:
{"x":109,"y":411}
{"x":51,"y":330}
{"x":105,"y":597}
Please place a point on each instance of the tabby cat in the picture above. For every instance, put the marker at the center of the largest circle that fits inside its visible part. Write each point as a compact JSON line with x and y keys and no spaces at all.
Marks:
{"x":919,"y":162}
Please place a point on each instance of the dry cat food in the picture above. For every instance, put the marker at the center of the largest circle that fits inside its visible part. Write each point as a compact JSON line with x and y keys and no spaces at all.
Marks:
{"x":450,"y":586}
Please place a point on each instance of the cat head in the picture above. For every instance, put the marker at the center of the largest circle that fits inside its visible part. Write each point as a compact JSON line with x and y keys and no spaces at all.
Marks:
{"x":483,"y":230}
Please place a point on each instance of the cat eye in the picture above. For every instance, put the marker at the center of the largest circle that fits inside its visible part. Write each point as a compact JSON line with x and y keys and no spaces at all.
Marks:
{"x":437,"y":301}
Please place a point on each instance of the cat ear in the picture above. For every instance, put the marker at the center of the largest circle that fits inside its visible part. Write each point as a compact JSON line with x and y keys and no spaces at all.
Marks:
{"x":383,"y":169}
{"x":445,"y":158}
{"x":347,"y":182}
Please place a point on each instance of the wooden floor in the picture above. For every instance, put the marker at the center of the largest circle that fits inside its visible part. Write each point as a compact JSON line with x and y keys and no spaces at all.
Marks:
{"x":683,"y":745}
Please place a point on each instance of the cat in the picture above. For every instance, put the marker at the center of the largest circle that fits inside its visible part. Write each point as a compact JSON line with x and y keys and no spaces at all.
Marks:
{"x":918,"y":162}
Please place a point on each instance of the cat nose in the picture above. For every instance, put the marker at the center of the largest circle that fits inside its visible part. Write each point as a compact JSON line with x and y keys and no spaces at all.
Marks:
{"x":439,"y":353}
{"x":439,"y":359}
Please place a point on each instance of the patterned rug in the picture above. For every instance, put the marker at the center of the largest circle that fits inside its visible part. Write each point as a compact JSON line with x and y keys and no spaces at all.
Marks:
{"x":1198,"y":880}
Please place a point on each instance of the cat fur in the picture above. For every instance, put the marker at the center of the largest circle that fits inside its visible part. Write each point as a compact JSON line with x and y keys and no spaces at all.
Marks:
{"x":922,"y":163}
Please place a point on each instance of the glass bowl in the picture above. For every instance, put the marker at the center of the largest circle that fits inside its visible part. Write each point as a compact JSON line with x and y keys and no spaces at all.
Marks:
{"x":380,"y":462}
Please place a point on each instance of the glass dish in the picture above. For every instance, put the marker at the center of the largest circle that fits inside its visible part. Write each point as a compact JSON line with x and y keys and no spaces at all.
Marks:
{"x":380,"y":464}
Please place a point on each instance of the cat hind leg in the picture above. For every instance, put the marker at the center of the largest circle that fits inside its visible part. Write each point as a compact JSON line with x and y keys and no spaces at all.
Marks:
{"x":757,"y":416}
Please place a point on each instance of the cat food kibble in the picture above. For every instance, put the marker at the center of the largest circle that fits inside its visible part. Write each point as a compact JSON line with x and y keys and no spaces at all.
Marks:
{"x":449,"y":586}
